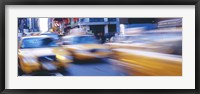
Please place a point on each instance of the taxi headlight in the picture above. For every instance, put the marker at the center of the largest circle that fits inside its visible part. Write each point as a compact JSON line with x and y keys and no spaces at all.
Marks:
{"x":29,"y":60}
{"x":60,"y":57}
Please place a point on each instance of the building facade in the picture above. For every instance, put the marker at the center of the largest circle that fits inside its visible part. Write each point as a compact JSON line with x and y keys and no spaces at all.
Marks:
{"x":101,"y":26}
{"x":28,"y":25}
{"x":62,"y":25}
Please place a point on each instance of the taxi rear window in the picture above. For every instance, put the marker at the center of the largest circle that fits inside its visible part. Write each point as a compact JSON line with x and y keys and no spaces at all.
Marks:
{"x":38,"y":43}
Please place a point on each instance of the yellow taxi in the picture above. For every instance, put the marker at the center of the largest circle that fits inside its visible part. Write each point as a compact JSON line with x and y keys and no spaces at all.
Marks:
{"x":85,"y":47}
{"x":153,"y":53}
{"x":41,"y":53}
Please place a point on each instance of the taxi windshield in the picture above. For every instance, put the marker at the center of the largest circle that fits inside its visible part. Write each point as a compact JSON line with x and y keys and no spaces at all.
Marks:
{"x":38,"y":43}
{"x":84,"y":40}
{"x":55,"y":36}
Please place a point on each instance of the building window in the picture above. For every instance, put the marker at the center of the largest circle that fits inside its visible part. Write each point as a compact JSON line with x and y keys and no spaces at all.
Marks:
{"x":82,"y":20}
{"x":96,"y":19}
{"x":111,"y":28}
{"x":112,"y":19}
{"x":97,"y":28}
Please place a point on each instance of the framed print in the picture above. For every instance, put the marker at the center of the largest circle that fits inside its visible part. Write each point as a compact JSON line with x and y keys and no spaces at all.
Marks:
{"x":113,"y":46}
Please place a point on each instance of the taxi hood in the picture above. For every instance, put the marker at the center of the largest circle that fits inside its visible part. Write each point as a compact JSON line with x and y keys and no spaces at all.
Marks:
{"x":89,"y":46}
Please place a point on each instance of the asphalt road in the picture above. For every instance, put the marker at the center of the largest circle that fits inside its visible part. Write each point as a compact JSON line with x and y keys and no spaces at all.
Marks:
{"x":104,"y":67}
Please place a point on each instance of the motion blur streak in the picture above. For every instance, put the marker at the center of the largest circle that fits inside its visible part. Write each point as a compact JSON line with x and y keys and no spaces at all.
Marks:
{"x":100,"y":46}
{"x":151,"y":64}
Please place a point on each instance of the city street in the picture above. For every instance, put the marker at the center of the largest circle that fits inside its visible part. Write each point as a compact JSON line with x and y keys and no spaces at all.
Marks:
{"x":104,"y":67}
{"x":100,"y":47}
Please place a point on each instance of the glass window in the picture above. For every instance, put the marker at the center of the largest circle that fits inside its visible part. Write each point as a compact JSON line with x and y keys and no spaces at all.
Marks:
{"x":38,"y":43}
{"x":84,"y":40}
{"x":96,"y":19}
{"x":112,"y":19}
{"x":55,"y":36}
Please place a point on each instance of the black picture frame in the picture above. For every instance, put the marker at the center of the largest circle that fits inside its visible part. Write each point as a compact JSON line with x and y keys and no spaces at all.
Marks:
{"x":3,"y":47}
